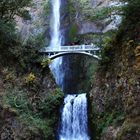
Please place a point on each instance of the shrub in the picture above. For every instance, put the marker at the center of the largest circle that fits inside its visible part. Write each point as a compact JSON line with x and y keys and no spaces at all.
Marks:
{"x":45,"y":62}
{"x":106,"y":52}
{"x":30,"y":78}
{"x":45,"y":119}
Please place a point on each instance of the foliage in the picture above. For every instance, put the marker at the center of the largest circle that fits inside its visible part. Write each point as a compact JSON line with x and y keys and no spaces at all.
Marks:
{"x":128,"y":31}
{"x":102,"y":121}
{"x":50,"y":105}
{"x":7,"y":33}
{"x":23,"y":54}
{"x":44,"y":118}
{"x":128,"y":34}
{"x":12,"y":48}
{"x":73,"y":33}
{"x":106,"y":52}
{"x":40,"y":113}
{"x":47,"y":7}
{"x":10,"y":8}
{"x":108,"y":119}
{"x":99,"y":13}
{"x":45,"y":62}
{"x":8,"y":75}
{"x":132,"y":11}
{"x":131,"y":21}
{"x":105,"y":12}
{"x":72,"y":9}
{"x":130,"y":128}
{"x":30,"y":78}
{"x":9,"y":38}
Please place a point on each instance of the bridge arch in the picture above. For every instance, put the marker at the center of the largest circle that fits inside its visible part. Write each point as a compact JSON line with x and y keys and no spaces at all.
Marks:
{"x":89,"y":50}
{"x":52,"y":57}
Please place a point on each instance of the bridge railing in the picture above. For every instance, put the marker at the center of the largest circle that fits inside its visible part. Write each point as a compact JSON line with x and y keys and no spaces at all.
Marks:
{"x":72,"y":48}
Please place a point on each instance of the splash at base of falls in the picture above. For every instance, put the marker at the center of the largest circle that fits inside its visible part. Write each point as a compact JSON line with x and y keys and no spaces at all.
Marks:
{"x":74,"y":118}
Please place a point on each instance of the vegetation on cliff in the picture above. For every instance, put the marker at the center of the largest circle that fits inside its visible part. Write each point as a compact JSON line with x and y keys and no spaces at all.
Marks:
{"x":29,"y":98}
{"x":115,"y":94}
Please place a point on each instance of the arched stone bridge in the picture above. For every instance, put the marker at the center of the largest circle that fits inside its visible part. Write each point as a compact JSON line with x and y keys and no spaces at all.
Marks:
{"x":90,"y":50}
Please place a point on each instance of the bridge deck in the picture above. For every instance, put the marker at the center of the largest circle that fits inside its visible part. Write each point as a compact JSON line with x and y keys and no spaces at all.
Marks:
{"x":81,"y":48}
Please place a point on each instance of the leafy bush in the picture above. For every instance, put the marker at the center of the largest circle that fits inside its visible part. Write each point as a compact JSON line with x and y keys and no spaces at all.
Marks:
{"x":10,"y":8}
{"x":106,"y":52}
{"x":45,"y":62}
{"x":46,"y":116}
{"x":50,"y":105}
{"x":102,"y":121}
{"x":47,"y":7}
{"x":30,"y":78}
{"x":132,"y":10}
{"x":11,"y":45}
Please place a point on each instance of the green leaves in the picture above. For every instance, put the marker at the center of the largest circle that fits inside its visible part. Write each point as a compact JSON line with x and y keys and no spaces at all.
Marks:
{"x":9,"y":37}
{"x":132,"y":10}
{"x":37,"y":113}
{"x":10,"y":8}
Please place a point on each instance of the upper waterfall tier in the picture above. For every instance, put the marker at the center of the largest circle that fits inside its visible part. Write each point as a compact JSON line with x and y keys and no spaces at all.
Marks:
{"x":55,"y":24}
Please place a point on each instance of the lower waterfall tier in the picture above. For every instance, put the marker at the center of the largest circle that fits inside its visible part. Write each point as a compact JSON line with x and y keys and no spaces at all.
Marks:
{"x":74,"y":118}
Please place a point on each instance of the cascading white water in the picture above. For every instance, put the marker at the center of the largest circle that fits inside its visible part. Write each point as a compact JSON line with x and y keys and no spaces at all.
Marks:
{"x":55,"y":25}
{"x":74,"y":118}
{"x":74,"y":115}
{"x":56,"y":40}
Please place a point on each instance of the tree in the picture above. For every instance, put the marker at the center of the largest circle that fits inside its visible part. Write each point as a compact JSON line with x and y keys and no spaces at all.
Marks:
{"x":132,"y":10}
{"x":10,"y":8}
{"x":9,"y":38}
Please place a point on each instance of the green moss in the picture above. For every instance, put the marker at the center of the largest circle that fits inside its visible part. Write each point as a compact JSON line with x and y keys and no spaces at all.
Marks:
{"x":73,"y":33}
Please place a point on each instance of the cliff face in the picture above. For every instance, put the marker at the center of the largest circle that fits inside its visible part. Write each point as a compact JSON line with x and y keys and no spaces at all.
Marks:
{"x":29,"y":97}
{"x":88,"y":20}
{"x":29,"y":104}
{"x":115,"y":98}
{"x":38,"y":25}
{"x":94,"y":16}
{"x":115,"y":95}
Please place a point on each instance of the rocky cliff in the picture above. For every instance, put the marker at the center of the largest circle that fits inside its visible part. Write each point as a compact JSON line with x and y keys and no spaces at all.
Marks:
{"x":38,"y":24}
{"x":29,"y":97}
{"x":89,"y":22}
{"x":29,"y":104}
{"x":115,"y":94}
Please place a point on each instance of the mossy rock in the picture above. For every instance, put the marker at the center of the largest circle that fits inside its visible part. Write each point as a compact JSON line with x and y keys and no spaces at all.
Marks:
{"x":73,"y":33}
{"x":129,"y":131}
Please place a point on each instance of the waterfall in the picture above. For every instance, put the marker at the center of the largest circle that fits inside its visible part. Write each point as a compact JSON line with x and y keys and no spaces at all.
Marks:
{"x":56,"y":41}
{"x":74,"y":118}
{"x":55,"y":27}
{"x":74,"y":114}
